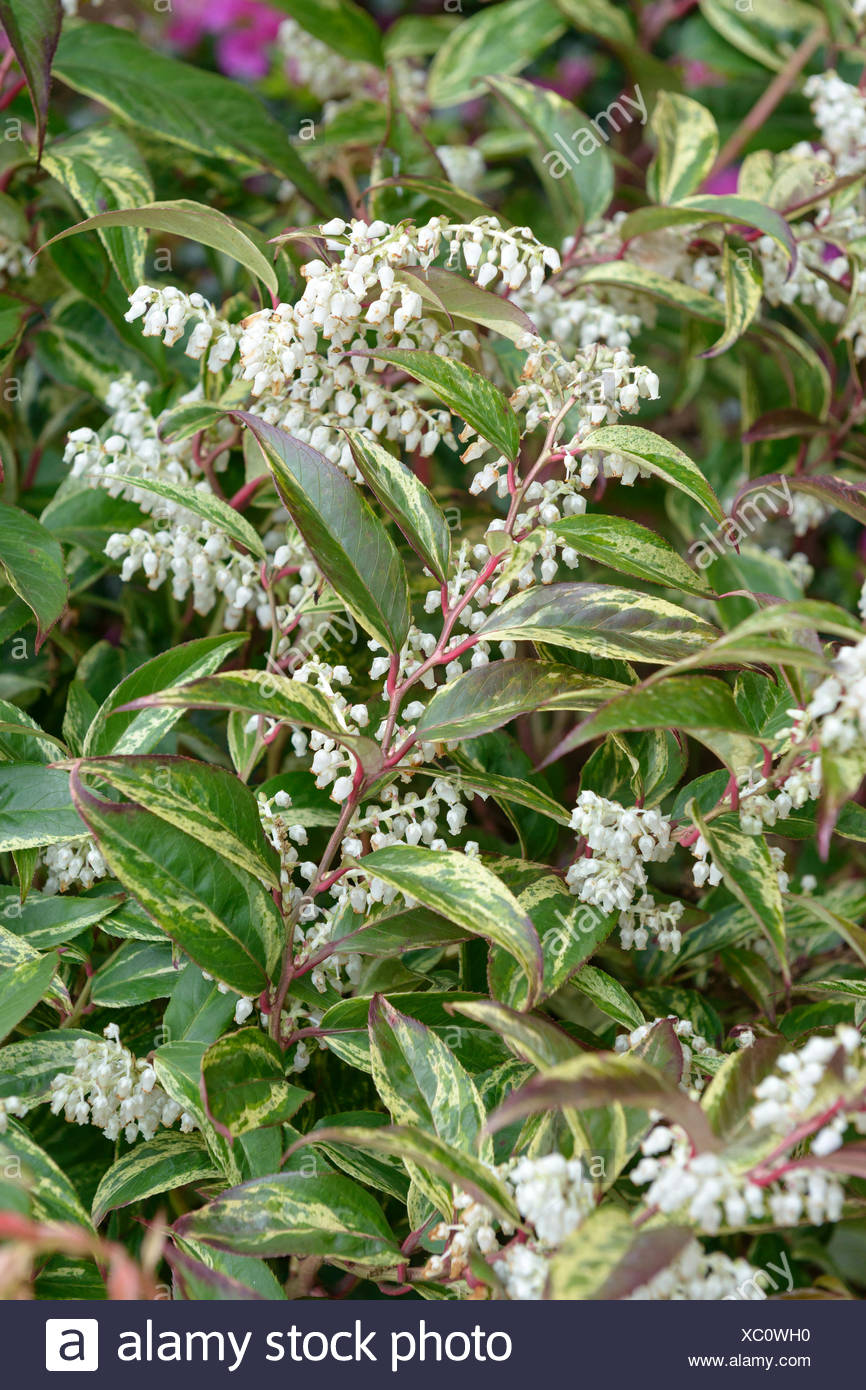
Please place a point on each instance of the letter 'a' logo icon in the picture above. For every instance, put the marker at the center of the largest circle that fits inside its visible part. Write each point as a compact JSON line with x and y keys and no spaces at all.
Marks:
{"x":71,"y":1344}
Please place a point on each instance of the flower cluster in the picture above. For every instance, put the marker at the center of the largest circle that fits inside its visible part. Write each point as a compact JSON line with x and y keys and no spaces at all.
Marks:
{"x":837,"y":709}
{"x":616,"y":842}
{"x":791,"y":1103}
{"x":115,"y":1091}
{"x":700,"y":1276}
{"x":72,"y":864}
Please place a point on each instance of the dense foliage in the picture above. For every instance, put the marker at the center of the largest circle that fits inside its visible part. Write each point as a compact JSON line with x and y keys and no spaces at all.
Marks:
{"x":433,"y":697}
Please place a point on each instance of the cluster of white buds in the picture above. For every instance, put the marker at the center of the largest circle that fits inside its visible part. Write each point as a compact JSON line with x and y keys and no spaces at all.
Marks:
{"x":758,"y":809}
{"x":621,"y":839}
{"x":473,"y":1229}
{"x":311,"y":64}
{"x":10,"y":1105}
{"x":577,"y":321}
{"x":712,"y":1189}
{"x":648,"y":920}
{"x":701,"y":1277}
{"x":704,"y":871}
{"x":72,"y":864}
{"x":840,"y":115}
{"x":363,"y":289}
{"x":837,"y":709}
{"x":807,"y":513}
{"x":492,"y":253}
{"x":115,"y":1091}
{"x":166,"y":313}
{"x":692,"y":1043}
{"x":554,"y":1194}
{"x":16,"y":259}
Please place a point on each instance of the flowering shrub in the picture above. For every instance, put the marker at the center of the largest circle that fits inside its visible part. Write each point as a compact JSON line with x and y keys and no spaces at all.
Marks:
{"x":433,"y":707}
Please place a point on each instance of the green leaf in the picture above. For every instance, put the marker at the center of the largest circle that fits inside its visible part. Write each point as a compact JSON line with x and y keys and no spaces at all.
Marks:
{"x":118,"y":730}
{"x":632,"y":549}
{"x":749,"y":873}
{"x":608,"y":995}
{"x":609,"y":1257}
{"x":687,"y":141}
{"x":340,"y":24}
{"x":427,"y":1151}
{"x":271,"y":695}
{"x":421,"y":1081}
{"x":501,"y":39}
{"x":22,"y":986}
{"x":203,"y":502}
{"x":198,"y":1010}
{"x":33,"y":28}
{"x":326,"y":1216}
{"x":598,"y":1079}
{"x":138,"y":972}
{"x":207,"y":802}
{"x":569,"y":932}
{"x":465,"y":892}
{"x":405,"y":499}
{"x":487,"y":697}
{"x":463,"y":299}
{"x":696,"y":705}
{"x":202,"y":1273}
{"x":53,"y":1197}
{"x":348,"y":542}
{"x":244,"y":1084}
{"x":216,"y":912}
{"x":212,"y":115}
{"x":189,"y":219}
{"x":577,"y":177}
{"x":641,"y":279}
{"x":52,"y":921}
{"x":464,"y":391}
{"x":35,"y":806}
{"x":852,"y":934}
{"x":602,"y":18}
{"x":178,"y":1071}
{"x":731,"y":1093}
{"x":704,"y":208}
{"x":600,"y":619}
{"x":532,"y":1038}
{"x":27,"y":1068}
{"x":744,"y":288}
{"x":103,"y":170}
{"x":162,"y":1164}
{"x":658,"y":456}
{"x":32,"y":563}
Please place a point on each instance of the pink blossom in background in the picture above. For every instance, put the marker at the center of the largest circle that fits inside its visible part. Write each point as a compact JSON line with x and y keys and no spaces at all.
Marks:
{"x":244,"y":29}
{"x":569,"y":78}
{"x":725,"y":181}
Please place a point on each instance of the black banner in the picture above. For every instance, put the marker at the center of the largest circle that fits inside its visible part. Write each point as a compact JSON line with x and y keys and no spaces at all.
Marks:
{"x":358,"y":1344}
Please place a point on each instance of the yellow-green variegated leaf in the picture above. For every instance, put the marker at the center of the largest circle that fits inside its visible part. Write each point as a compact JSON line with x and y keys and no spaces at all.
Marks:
{"x":602,"y":620}
{"x":25,"y":977}
{"x":345,"y":537}
{"x":748,"y":870}
{"x":406,"y":500}
{"x":244,"y":1084}
{"x":602,"y":18}
{"x":532,"y":1038}
{"x":36,"y":807}
{"x":202,"y":501}
{"x":52,"y":1195}
{"x":687,"y":141}
{"x":744,"y":287}
{"x":167,"y":1161}
{"x":570,"y":152}
{"x":498,"y":39}
{"x":103,"y":170}
{"x":427,"y":1151}
{"x":640,"y":279}
{"x":595,"y":1079}
{"x":116,"y":729}
{"x":697,"y":705}
{"x":487,"y":697}
{"x":324,"y":1215}
{"x":609,"y":1257}
{"x":421,"y":1081}
{"x":464,"y":391}
{"x":206,"y":802}
{"x":569,"y":932}
{"x":271,"y":696}
{"x":465,"y":892}
{"x":216,"y":912}
{"x":656,"y":455}
{"x":626,"y":546}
